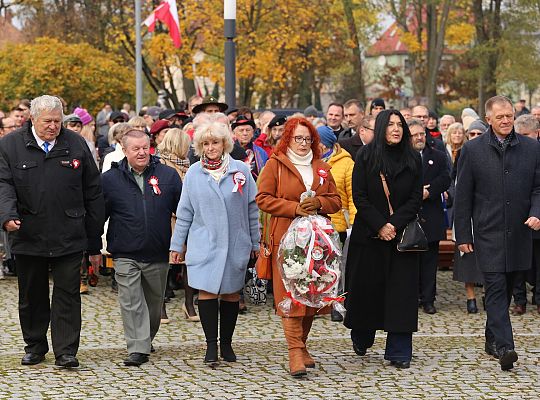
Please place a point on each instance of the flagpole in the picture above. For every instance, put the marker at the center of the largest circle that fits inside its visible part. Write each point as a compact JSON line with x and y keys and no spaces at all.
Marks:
{"x":138,"y":57}
{"x":229,"y":8}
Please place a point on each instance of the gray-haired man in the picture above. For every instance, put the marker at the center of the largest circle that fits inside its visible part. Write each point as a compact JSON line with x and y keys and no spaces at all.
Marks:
{"x":52,"y":205}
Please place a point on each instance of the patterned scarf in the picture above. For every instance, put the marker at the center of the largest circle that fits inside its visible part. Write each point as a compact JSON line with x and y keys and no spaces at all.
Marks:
{"x":506,"y":141}
{"x":175,"y":160}
{"x":212,"y":165}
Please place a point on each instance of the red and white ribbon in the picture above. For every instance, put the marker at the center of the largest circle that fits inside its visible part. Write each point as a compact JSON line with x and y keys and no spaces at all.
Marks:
{"x":239,"y":180}
{"x":76,"y":163}
{"x":153,"y":181}
{"x":322,"y":175}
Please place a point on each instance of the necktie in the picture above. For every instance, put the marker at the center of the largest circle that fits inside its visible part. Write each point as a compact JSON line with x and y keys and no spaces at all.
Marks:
{"x":46,"y":147}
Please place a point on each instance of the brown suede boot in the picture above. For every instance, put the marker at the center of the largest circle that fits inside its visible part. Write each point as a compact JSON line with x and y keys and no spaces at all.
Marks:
{"x":309,"y":362}
{"x":292,"y":327}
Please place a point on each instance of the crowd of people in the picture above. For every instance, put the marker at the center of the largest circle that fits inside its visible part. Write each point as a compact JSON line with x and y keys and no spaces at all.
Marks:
{"x":179,"y":198}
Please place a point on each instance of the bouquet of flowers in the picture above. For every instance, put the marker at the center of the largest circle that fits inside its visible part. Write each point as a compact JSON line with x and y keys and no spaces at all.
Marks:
{"x":309,"y":259}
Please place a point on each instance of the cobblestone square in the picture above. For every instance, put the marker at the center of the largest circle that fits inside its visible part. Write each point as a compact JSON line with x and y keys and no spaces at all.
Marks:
{"x":448,"y":363}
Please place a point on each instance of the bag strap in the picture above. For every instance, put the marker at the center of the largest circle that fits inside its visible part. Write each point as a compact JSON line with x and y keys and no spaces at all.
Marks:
{"x":271,"y":220}
{"x":386,"y":192}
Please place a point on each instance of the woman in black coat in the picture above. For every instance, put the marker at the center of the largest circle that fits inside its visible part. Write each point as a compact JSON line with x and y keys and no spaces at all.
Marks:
{"x":383,"y":283}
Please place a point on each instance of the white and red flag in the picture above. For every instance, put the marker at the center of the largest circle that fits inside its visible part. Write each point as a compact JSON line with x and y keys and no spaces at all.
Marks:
{"x":167,"y":13}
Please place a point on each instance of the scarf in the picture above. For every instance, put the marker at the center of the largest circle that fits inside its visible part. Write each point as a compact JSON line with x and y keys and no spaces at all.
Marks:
{"x":173,"y":159}
{"x":303,"y":165}
{"x":326,"y":156}
{"x":216,"y":169}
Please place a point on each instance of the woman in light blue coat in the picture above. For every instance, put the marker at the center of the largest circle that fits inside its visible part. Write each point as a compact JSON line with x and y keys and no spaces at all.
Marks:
{"x":218,"y":217}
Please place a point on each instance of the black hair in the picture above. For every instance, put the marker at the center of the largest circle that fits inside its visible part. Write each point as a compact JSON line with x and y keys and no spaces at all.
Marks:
{"x":378,"y":158}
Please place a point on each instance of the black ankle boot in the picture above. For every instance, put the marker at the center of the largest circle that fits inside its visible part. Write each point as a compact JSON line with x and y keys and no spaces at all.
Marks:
{"x":228,"y":314}
{"x":208,"y":312}
{"x":471,"y":306}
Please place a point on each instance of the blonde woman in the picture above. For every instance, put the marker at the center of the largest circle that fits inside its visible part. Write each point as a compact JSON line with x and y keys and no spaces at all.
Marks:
{"x":173,"y":152}
{"x":455,"y":139}
{"x":138,"y":123}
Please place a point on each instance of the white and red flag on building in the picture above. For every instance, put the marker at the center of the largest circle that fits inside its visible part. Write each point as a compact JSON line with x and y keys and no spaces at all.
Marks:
{"x":167,"y":13}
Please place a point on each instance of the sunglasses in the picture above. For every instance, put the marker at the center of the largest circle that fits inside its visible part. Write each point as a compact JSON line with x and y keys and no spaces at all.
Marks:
{"x":474,"y":133}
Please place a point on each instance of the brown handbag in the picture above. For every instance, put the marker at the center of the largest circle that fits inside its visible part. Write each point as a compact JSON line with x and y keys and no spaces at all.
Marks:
{"x":263,"y":265}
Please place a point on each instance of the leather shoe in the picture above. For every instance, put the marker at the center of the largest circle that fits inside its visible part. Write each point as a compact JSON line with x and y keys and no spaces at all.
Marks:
{"x":32,"y":359}
{"x":507,"y":358}
{"x":66,"y":361}
{"x":136,"y":359}
{"x":358,"y":350}
{"x":472,"y":308}
{"x":429,"y":308}
{"x":152,"y":349}
{"x":335,"y":316}
{"x":401,"y":364}
{"x":491,"y":349}
{"x":519,"y":309}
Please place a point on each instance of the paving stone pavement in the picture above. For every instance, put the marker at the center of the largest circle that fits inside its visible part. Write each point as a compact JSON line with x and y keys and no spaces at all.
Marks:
{"x":448,"y":363}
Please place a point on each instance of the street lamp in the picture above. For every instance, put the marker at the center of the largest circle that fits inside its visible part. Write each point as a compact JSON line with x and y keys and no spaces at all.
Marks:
{"x":229,"y":11}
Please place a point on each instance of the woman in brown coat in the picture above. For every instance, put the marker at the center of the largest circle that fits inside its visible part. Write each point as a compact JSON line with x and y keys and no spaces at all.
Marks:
{"x":294,"y":168}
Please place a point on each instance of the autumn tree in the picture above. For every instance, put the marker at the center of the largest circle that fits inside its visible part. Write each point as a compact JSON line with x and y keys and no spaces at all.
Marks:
{"x":425,"y":26}
{"x":77,"y":72}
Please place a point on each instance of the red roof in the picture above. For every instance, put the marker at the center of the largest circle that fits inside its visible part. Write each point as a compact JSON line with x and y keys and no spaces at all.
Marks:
{"x":388,"y":44}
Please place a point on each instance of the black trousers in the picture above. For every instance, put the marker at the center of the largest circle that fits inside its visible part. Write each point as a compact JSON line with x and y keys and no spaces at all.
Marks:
{"x":428,"y":273}
{"x":532,"y":276}
{"x":498,"y":288}
{"x":398,"y":344}
{"x":63,"y":313}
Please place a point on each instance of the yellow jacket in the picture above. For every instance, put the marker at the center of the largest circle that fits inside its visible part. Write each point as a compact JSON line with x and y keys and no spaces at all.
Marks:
{"x":342,"y":167}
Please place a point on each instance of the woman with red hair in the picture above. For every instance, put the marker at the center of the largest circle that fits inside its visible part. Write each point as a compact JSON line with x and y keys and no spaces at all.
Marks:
{"x":294,"y":168}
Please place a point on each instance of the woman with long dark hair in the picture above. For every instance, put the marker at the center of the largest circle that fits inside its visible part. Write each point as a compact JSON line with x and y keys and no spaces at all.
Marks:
{"x":383,"y":283}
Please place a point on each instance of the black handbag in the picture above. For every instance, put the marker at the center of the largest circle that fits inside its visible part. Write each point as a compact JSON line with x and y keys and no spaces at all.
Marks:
{"x":413,"y":237}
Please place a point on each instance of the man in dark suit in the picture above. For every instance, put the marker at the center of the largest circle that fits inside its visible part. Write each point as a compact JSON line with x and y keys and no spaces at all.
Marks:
{"x":364,"y":134}
{"x":52,"y":205}
{"x":496,"y":209}
{"x":436,"y":181}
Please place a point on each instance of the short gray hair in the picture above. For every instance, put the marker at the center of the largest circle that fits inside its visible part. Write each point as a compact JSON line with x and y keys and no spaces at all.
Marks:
{"x":448,"y":116}
{"x":497,"y":100}
{"x":415,"y":122}
{"x":526,"y":123}
{"x":215,"y":130}
{"x":45,"y":103}
{"x":133,"y":133}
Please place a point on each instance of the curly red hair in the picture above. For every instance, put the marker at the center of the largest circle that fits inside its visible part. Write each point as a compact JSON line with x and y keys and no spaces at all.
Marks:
{"x":288,"y":133}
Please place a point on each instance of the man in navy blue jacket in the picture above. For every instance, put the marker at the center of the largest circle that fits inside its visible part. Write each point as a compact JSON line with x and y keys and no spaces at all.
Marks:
{"x":141,"y":195}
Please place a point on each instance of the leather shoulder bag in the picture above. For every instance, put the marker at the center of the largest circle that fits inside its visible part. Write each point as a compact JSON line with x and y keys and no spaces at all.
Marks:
{"x":412,"y":237}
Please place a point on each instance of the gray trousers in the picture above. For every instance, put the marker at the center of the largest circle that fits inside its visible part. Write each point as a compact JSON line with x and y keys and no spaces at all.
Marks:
{"x":141,"y":288}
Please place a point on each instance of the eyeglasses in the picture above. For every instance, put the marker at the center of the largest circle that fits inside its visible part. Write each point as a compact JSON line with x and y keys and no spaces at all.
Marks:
{"x":300,"y":139}
{"x":119,"y":120}
{"x":474,"y":133}
{"x":368,"y":128}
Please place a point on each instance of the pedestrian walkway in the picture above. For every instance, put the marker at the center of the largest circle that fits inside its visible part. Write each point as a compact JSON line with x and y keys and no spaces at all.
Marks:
{"x":448,"y":363}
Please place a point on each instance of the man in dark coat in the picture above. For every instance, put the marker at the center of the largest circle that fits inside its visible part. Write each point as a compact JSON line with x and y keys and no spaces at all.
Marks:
{"x":141,"y":195}
{"x":52,"y":205}
{"x":497,"y":207}
{"x":436,"y":181}
{"x":363,"y":136}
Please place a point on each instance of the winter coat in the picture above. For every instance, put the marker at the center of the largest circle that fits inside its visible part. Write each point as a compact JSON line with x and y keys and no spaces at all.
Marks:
{"x":281,"y":201}
{"x":56,"y":196}
{"x":342,"y":167}
{"x":437,"y":176}
{"x":140,"y":223}
{"x":352,"y":145}
{"x":383,"y":283}
{"x":499,"y":190}
{"x":221,"y":226}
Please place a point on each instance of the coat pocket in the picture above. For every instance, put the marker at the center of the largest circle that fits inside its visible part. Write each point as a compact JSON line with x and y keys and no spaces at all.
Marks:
{"x":198,"y":246}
